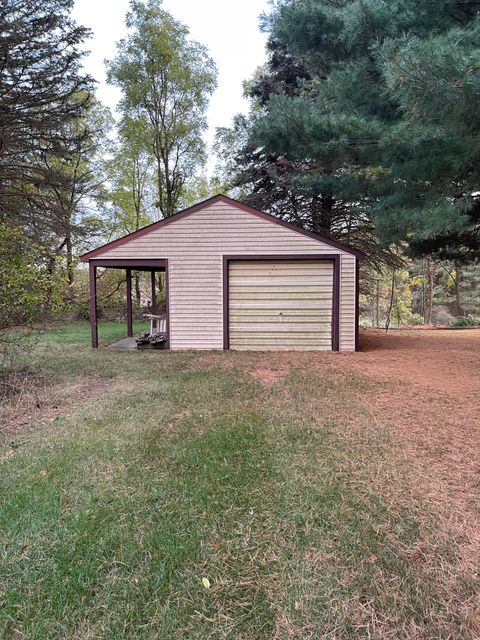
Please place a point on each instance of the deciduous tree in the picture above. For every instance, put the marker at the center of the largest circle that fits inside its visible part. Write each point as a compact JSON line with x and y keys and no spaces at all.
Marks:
{"x":166,"y":80}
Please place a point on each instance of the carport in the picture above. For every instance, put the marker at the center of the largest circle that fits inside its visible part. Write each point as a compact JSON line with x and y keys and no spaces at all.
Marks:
{"x":152,"y":266}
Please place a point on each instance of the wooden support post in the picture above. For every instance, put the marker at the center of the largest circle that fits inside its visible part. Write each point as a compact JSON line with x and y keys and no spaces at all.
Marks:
{"x":154,"y":293}
{"x":129,"y":304}
{"x":93,"y":304}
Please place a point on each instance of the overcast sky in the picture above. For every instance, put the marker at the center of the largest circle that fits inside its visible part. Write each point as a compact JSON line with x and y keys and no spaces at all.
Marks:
{"x":229,"y":30}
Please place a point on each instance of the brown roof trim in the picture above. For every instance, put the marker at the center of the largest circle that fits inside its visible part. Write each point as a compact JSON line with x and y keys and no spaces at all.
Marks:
{"x":140,"y":264}
{"x":206,"y":203}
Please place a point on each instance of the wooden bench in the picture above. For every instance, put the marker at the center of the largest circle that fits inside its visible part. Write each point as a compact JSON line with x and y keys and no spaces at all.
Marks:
{"x":156,"y":338}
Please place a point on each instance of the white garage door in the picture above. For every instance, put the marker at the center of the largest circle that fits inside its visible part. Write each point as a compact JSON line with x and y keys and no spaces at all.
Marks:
{"x":280,"y":305}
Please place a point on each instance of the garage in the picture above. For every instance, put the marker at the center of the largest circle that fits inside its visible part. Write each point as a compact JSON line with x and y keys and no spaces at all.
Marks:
{"x":239,"y":278}
{"x":280,"y":305}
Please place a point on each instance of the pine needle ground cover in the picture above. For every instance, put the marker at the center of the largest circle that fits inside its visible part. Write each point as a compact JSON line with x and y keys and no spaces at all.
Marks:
{"x":235,"y":496}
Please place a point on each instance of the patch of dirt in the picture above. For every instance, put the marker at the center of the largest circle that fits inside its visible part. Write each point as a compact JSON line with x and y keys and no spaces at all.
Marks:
{"x":268,"y":368}
{"x":215,"y":360}
{"x":442,"y":359}
{"x":423,"y":387}
{"x":43,"y":403}
{"x":268,"y":376}
{"x":429,"y":400}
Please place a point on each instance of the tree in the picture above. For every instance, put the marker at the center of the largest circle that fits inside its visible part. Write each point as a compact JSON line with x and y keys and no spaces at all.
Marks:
{"x":275,"y":184}
{"x":268,"y":180}
{"x":40,"y":81}
{"x":166,"y":80}
{"x":388,"y":116}
{"x":131,"y":178}
{"x":71,"y":219}
{"x":30,"y":291}
{"x":132,"y":187}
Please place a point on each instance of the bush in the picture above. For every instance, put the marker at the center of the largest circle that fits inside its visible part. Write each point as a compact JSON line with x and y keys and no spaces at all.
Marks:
{"x":413,"y":319}
{"x":467,"y":321}
{"x":441,"y":315}
{"x":31,"y":291}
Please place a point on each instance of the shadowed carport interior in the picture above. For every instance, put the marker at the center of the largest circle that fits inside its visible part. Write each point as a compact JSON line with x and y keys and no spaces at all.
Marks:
{"x":151,"y":266}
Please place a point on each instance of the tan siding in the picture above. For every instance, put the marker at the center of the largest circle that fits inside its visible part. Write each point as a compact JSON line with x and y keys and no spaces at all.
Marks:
{"x":194,"y":246}
{"x":347,"y":303}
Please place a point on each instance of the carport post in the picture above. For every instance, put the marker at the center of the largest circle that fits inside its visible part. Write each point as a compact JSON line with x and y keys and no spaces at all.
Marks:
{"x":154,"y":293}
{"x":92,"y":273}
{"x":129,"y":304}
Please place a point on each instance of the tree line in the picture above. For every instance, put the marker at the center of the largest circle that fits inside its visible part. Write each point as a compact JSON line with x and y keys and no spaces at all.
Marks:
{"x":363,"y":125}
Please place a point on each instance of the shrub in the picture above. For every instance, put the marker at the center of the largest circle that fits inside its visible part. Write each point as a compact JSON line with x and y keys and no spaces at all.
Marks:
{"x":413,"y":319}
{"x":441,"y":315}
{"x":467,"y":321}
{"x":30,"y":290}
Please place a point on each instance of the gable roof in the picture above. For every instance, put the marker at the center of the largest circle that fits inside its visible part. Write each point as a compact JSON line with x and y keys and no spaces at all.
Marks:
{"x":206,"y":203}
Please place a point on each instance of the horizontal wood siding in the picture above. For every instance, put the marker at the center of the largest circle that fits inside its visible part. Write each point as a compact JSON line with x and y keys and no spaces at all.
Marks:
{"x":195,"y":246}
{"x":281,"y":306}
{"x":347,"y":303}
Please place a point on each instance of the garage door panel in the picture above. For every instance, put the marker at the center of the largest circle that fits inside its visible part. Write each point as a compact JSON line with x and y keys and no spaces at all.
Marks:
{"x":275,"y":322}
{"x":279,"y":338}
{"x":303,"y":328}
{"x":280,"y":296}
{"x":280,"y":305}
{"x":262,"y":284}
{"x":281,"y":287}
{"x":288,"y":267}
{"x":282,"y":346}
{"x":297,"y":315}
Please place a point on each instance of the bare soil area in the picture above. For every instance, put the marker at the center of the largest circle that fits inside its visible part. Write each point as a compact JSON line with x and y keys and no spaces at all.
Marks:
{"x":436,"y":418}
{"x":42,"y":402}
{"x":446,"y":360}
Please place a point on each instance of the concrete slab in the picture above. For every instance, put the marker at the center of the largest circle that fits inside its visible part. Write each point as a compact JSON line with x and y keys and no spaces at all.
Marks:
{"x":124,"y":343}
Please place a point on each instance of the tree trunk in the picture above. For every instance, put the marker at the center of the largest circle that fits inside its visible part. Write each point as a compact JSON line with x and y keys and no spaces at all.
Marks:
{"x":322,"y":210}
{"x":424,"y":294}
{"x":392,"y":298}
{"x":377,"y":304}
{"x":429,"y":306}
{"x":138,"y":293}
{"x":69,"y":250}
{"x":458,"y":299}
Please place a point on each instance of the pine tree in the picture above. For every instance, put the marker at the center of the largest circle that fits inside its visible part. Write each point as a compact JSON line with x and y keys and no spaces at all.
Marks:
{"x":40,"y":85}
{"x":389,"y":116}
{"x":283,"y":186}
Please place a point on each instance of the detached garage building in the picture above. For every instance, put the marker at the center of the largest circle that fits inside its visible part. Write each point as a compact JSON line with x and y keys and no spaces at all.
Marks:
{"x":238,"y":278}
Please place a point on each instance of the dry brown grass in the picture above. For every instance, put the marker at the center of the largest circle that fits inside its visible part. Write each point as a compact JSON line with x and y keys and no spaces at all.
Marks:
{"x":37,"y":400}
{"x":424,"y":388}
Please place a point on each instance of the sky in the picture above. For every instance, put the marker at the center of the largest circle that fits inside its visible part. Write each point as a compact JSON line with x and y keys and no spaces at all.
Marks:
{"x":229,"y":30}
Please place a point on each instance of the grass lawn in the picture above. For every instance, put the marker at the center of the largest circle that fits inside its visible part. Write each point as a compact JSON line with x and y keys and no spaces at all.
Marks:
{"x":190,"y":496}
{"x":79,"y":332}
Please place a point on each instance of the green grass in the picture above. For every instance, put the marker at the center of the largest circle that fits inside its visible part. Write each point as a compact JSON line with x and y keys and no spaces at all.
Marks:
{"x":188,"y":468}
{"x":79,"y":332}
